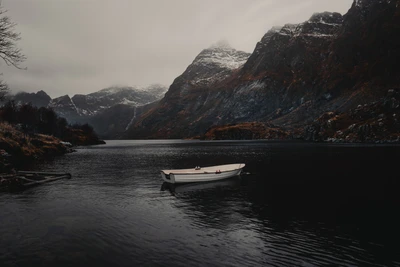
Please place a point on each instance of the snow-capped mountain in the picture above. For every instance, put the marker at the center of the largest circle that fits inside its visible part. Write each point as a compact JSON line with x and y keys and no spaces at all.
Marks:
{"x":157,"y":90}
{"x":214,"y":64}
{"x":91,"y":104}
{"x":211,"y":66}
{"x":188,"y":93}
{"x":82,"y":106}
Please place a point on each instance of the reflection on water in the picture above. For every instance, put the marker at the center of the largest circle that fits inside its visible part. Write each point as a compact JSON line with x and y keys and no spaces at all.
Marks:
{"x":187,"y":187}
{"x":299,"y":205}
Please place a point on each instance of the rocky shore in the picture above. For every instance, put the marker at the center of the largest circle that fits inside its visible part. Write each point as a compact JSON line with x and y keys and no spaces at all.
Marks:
{"x":17,"y":149}
{"x":375,"y":122}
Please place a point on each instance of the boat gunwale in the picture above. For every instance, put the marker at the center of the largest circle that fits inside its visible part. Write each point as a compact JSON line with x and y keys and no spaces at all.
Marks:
{"x":198,"y":172}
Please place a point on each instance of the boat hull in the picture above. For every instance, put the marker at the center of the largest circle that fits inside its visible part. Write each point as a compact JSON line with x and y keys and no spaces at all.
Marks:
{"x":187,"y":187}
{"x":207,"y":175}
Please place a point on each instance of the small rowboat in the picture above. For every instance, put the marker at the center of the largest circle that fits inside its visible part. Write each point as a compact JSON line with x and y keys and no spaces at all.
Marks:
{"x":202,"y":174}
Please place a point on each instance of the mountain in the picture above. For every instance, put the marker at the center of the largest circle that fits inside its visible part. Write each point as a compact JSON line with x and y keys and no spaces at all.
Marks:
{"x":177,"y":112}
{"x":206,"y":94}
{"x":109,"y":110}
{"x":39,"y":99}
{"x":96,"y":102}
{"x":297,"y":73}
{"x":112,"y":123}
{"x":157,"y":90}
{"x":81,"y":107}
{"x":64,"y":107}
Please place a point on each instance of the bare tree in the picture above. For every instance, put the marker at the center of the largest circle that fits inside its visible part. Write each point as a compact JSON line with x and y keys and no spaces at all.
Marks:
{"x":9,"y":51}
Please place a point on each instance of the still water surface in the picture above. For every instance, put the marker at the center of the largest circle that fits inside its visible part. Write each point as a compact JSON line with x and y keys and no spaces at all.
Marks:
{"x":297,"y":204}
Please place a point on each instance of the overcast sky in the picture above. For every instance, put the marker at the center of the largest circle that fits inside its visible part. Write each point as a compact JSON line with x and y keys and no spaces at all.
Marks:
{"x":82,"y":46}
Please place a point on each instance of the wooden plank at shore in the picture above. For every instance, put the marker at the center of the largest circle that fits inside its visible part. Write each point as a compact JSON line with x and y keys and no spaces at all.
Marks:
{"x":34,"y":182}
{"x":43,"y":173}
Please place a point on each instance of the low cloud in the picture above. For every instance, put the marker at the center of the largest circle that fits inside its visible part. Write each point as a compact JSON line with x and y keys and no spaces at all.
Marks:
{"x":81,"y":46}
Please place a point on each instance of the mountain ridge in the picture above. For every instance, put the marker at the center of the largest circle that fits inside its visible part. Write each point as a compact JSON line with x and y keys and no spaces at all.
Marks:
{"x":95,"y":108}
{"x":92,"y":103}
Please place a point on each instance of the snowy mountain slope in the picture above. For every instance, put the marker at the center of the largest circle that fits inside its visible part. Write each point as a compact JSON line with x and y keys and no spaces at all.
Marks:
{"x":214,"y":64}
{"x":80,"y":108}
{"x":88,"y":105}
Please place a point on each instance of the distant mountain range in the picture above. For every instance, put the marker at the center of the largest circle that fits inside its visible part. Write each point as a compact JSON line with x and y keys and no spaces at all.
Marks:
{"x":85,"y":108}
{"x":333,"y":77}
{"x":299,"y":80}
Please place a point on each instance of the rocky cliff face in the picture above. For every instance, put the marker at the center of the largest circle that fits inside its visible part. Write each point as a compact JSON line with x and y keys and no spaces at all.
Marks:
{"x":330,"y":63}
{"x":289,"y":49}
{"x":281,"y":73}
{"x":364,"y":53}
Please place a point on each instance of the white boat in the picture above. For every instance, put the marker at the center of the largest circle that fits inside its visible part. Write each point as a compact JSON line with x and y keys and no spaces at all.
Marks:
{"x":202,"y":174}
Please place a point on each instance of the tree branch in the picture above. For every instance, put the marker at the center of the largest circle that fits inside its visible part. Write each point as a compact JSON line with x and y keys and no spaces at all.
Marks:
{"x":9,"y":51}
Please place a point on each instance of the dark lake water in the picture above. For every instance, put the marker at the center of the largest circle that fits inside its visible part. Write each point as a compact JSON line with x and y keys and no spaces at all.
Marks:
{"x":297,"y":204}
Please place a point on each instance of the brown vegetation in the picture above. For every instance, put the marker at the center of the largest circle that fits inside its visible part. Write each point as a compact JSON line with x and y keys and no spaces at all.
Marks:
{"x":18,"y":148}
{"x":246,"y":131}
{"x":28,"y":133}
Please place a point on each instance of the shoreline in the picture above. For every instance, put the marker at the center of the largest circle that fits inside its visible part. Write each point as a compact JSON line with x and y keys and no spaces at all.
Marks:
{"x":18,"y":149}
